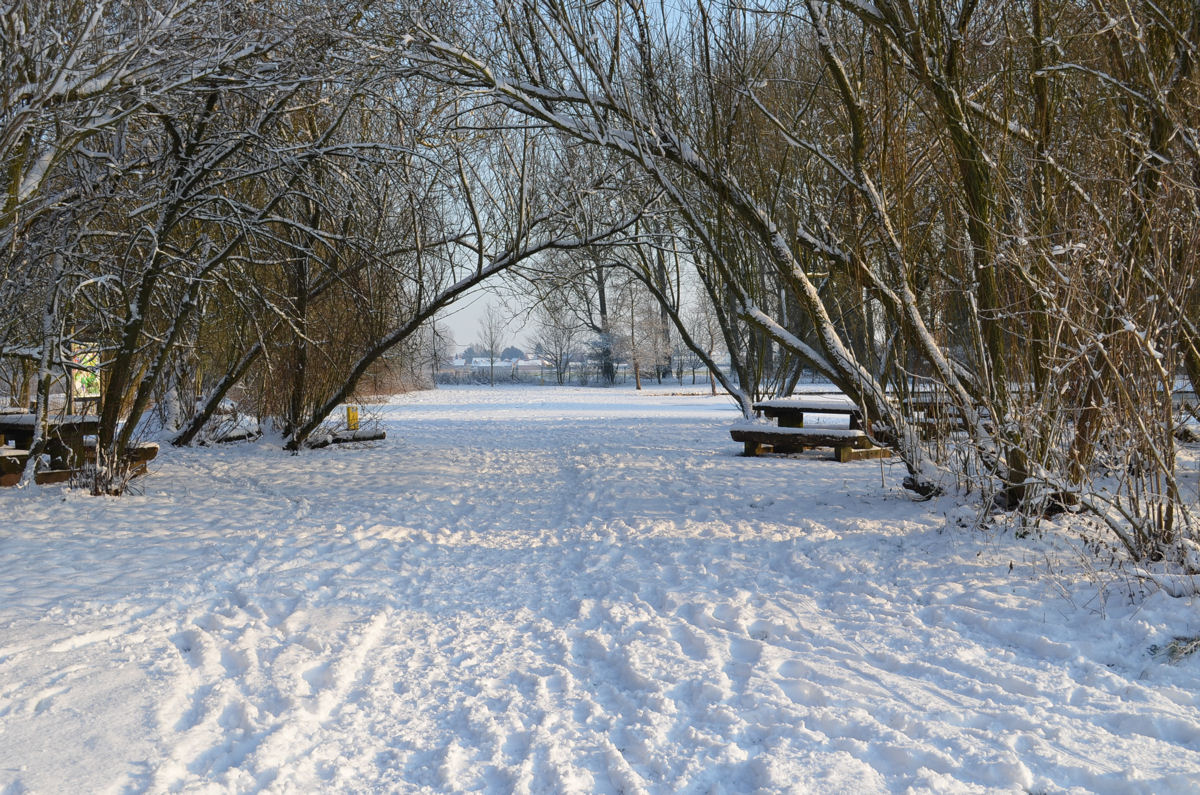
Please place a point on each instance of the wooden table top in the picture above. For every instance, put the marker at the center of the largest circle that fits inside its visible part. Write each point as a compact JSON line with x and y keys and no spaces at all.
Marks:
{"x":817,"y":404}
{"x":74,"y":422}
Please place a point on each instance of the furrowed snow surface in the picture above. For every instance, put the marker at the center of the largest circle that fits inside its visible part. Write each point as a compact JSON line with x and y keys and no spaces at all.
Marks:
{"x":568,"y":590}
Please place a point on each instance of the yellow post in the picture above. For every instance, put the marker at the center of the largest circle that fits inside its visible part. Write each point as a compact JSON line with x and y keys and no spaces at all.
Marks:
{"x":352,"y":417}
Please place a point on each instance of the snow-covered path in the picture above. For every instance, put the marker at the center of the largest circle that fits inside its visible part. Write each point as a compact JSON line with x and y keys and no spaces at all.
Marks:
{"x":557,"y":590}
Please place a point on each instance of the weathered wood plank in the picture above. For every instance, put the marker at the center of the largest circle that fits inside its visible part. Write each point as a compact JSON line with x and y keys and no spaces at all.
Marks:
{"x":848,"y":444}
{"x":48,"y":476}
{"x":847,"y":454}
{"x":810,"y":437}
{"x":12,"y":461}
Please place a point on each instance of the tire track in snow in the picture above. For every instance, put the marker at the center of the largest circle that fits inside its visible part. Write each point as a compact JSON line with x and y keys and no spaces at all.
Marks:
{"x":260,"y":679}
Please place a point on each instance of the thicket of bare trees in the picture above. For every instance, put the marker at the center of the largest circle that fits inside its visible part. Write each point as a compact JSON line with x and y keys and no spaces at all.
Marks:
{"x":255,"y":196}
{"x":996,"y":202}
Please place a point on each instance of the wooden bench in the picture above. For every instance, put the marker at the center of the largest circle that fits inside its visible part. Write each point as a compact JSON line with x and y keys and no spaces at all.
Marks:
{"x":792,"y":435}
{"x":12,"y":466}
{"x":13,"y":462}
{"x":65,"y":435}
{"x":849,"y":444}
{"x":945,"y":419}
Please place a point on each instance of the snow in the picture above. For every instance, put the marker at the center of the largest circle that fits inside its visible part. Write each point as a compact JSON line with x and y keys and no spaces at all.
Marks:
{"x":569,"y":590}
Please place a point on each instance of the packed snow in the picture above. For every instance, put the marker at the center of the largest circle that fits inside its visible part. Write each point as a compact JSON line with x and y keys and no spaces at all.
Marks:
{"x":571,"y":590}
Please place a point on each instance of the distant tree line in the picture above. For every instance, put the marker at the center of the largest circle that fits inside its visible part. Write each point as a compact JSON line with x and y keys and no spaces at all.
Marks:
{"x":509,"y":354}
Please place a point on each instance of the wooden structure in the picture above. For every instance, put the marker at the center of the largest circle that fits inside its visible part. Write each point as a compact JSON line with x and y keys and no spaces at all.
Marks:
{"x":791,"y":435}
{"x":65,"y":438}
{"x":70,"y":445}
{"x":789,"y":412}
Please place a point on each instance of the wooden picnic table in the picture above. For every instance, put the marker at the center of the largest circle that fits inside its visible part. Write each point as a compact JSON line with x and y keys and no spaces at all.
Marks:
{"x":66,"y":434}
{"x":791,"y":435}
{"x":71,"y":444}
{"x":789,"y":412}
{"x":71,"y":428}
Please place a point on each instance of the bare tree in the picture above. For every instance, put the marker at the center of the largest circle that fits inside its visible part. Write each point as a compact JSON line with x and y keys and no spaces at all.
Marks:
{"x":636,"y":123}
{"x":798,"y":148}
{"x":556,"y":339}
{"x":492,"y":339}
{"x":994,"y":202}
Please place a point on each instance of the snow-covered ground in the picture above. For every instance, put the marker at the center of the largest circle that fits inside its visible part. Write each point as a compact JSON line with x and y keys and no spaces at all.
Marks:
{"x":568,"y":590}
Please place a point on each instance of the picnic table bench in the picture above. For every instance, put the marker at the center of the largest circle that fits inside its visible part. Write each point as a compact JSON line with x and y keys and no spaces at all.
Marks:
{"x":12,"y":464}
{"x":65,"y":435}
{"x":70,"y":444}
{"x":935,"y":414}
{"x":791,"y":435}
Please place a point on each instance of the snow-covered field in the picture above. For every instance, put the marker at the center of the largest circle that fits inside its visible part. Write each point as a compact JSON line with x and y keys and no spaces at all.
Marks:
{"x":568,"y":590}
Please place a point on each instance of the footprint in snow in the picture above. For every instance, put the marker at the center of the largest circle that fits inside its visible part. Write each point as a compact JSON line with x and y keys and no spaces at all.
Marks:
{"x":190,"y":646}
